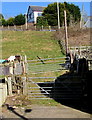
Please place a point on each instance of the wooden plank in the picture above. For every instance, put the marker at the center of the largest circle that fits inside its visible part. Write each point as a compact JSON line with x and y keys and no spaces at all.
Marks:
{"x":24,"y":85}
{"x":9,"y":85}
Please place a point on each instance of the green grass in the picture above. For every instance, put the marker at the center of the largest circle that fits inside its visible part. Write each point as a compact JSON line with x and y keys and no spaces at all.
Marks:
{"x":31,"y":43}
{"x":47,"y":102}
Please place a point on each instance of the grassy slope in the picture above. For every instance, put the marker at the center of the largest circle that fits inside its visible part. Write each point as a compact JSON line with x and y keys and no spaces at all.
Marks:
{"x":31,"y":43}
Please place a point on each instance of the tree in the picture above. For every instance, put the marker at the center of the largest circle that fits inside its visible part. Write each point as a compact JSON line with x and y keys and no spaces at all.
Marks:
{"x":42,"y":21}
{"x":4,"y":22}
{"x":50,"y":13}
{"x":1,"y":16}
{"x":10,"y":21}
{"x":74,"y":11}
{"x":19,"y":20}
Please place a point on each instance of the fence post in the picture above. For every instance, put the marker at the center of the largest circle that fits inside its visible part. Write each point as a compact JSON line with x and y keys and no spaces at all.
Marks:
{"x":35,"y":27}
{"x":80,"y":51}
{"x":1,"y":95}
{"x":42,"y":27}
{"x":8,"y":27}
{"x":24,"y":85}
{"x":15,"y":27}
{"x":50,"y":28}
{"x":21,"y":27}
{"x":9,"y":85}
{"x":11,"y":69}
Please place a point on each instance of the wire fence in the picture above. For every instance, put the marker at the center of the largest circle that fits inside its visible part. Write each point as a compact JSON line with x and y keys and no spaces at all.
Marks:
{"x":29,"y":27}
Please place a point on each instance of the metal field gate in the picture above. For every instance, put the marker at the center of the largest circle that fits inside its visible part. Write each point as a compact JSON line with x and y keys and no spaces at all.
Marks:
{"x":41,"y":86}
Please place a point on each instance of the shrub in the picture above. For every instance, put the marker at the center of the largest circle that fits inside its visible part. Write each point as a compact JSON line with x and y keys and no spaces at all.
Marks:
{"x":10,"y":21}
{"x":42,"y":21}
{"x":4,"y":22}
{"x":19,"y":20}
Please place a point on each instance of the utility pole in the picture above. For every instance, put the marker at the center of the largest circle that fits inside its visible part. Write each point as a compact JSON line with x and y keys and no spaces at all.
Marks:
{"x":81,"y":20}
{"x":66,"y":37}
{"x":58,"y":15}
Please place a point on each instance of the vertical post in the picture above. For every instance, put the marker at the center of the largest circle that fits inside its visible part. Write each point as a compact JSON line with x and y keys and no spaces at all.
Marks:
{"x":80,"y":51}
{"x":66,"y":37}
{"x":15,"y":27}
{"x":42,"y":27}
{"x":81,"y":20}
{"x":1,"y":96}
{"x":11,"y":69}
{"x":58,"y":15}
{"x":26,"y":21}
{"x":21,"y":27}
{"x":25,"y":59}
{"x":23,"y":68}
{"x":9,"y":85}
{"x":24,"y":85}
{"x":8,"y":27}
{"x":35,"y":27}
{"x":25,"y":62}
{"x":49,"y":28}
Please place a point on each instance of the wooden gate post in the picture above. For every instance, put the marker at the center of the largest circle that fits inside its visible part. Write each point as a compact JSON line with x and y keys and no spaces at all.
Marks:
{"x":9,"y":85}
{"x":24,"y":85}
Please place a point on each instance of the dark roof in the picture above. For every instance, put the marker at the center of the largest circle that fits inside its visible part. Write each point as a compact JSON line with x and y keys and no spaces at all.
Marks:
{"x":37,"y":8}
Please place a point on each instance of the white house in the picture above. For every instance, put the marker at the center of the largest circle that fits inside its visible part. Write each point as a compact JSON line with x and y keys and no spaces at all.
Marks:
{"x":33,"y":13}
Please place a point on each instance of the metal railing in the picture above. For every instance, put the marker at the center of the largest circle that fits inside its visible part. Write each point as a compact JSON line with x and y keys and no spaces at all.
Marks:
{"x":47,"y":65}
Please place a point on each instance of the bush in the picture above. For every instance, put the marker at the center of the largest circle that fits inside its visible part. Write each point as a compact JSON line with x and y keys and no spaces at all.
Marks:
{"x":1,"y":16}
{"x":10,"y":21}
{"x":42,"y":21}
{"x":4,"y":22}
{"x":19,"y":20}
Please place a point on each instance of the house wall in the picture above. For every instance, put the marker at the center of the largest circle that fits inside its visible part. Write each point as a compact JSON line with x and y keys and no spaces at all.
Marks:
{"x":32,"y":15}
{"x":36,"y":14}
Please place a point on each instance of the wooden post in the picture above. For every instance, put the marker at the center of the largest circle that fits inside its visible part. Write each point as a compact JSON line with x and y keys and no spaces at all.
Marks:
{"x":66,"y":37}
{"x":21,"y":27}
{"x":42,"y":27}
{"x":80,"y":51}
{"x":35,"y":27}
{"x":24,"y":85}
{"x":8,"y":27}
{"x":25,"y":59}
{"x":25,"y":64}
{"x":50,"y":28}
{"x":23,"y":68}
{"x":9,"y":85}
{"x":26,"y":21}
{"x":58,"y":15}
{"x":15,"y":27}
{"x":11,"y":69}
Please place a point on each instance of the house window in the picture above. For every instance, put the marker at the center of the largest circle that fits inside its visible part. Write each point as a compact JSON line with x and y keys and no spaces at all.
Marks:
{"x":39,"y":14}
